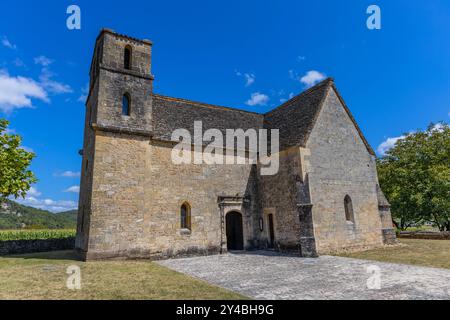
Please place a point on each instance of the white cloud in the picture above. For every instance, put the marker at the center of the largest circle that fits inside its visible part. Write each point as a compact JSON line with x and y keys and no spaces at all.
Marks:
{"x":46,"y":77}
{"x":311,"y":78}
{"x":301,"y":58}
{"x":43,"y":61}
{"x":10,"y":131}
{"x":249,"y":77}
{"x":293,"y":75}
{"x":48,"y":204}
{"x":18,"y":92}
{"x":438,"y":127}
{"x":291,"y":95}
{"x":33,"y":192}
{"x":19,"y":63}
{"x":8,"y":44}
{"x":84,"y":93}
{"x":52,"y":85}
{"x":27,"y":149}
{"x":73,"y":189}
{"x":68,"y":174}
{"x":258,"y":99}
{"x":82,"y":98}
{"x":388,"y":144}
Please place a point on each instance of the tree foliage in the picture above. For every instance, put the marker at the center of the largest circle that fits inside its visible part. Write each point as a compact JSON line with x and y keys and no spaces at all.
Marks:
{"x":415,"y":177}
{"x":15,"y":177}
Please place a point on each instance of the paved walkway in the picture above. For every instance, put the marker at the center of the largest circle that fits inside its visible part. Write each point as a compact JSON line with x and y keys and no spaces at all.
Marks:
{"x":267,"y":275}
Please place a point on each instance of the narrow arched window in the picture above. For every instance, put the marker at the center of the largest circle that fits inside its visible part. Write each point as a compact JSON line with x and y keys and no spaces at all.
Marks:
{"x":126,"y":104}
{"x":127,"y":58}
{"x":185,"y":216}
{"x":349,"y":215}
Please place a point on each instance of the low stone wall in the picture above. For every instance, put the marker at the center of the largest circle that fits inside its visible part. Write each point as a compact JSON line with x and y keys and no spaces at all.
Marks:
{"x":424,"y":235}
{"x":31,"y":246}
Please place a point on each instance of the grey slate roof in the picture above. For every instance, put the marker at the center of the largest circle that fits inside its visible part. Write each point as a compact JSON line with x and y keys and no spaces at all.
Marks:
{"x":295,"y":118}
{"x":170,"y":114}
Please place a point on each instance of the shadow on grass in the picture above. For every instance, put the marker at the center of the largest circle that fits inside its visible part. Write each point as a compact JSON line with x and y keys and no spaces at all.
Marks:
{"x":52,"y":255}
{"x":71,"y":255}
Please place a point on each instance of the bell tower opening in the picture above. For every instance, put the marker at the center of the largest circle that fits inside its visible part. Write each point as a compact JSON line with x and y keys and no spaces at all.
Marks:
{"x":127,"y":56}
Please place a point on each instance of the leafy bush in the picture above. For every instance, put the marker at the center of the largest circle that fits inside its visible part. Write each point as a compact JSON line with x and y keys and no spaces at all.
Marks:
{"x":10,"y":235}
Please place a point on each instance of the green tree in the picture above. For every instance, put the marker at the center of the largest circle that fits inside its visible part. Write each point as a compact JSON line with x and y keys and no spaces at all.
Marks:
{"x":15,"y":178}
{"x":415,"y":176}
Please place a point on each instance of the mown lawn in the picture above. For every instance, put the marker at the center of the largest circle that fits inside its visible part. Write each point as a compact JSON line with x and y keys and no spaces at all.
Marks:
{"x":43,"y":276}
{"x":429,"y":253}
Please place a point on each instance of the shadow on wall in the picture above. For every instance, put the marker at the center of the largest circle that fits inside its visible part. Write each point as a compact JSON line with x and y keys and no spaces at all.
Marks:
{"x":34,"y":246}
{"x":68,"y":255}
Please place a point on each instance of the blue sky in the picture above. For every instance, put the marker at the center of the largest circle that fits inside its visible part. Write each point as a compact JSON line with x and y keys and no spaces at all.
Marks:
{"x":394,"y":80}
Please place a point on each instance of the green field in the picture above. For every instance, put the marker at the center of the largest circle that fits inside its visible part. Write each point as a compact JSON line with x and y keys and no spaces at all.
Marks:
{"x":43,"y":276}
{"x":9,"y":235}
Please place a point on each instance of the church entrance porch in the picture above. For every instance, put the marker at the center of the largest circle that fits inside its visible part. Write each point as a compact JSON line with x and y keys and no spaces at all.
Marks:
{"x":234,"y":229}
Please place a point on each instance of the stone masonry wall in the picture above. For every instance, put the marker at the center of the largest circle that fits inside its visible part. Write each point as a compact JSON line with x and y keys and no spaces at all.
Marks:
{"x":117,"y":194}
{"x":112,"y":49}
{"x":341,"y":165}
{"x":138,"y":193}
{"x":111,"y":90}
{"x":84,"y":202}
{"x":279,"y":197}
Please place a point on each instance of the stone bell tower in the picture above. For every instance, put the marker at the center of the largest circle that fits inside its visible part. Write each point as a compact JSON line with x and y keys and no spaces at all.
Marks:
{"x":119,"y":104}
{"x":121,"y":67}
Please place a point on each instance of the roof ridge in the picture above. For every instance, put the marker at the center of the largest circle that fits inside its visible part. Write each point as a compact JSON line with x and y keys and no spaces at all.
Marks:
{"x":330,"y":85}
{"x":203,"y":104}
{"x":328,"y":82}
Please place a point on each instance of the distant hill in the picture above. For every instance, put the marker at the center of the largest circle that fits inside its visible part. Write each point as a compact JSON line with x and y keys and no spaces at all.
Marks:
{"x":16,"y":216}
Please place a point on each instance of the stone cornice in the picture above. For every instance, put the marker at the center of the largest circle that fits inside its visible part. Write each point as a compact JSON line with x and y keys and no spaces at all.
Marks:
{"x":112,"y":32}
{"x":121,"y":130}
{"x":127,"y":72}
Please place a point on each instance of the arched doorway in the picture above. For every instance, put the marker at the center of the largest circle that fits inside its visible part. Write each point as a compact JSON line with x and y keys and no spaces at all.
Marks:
{"x":235,"y":235}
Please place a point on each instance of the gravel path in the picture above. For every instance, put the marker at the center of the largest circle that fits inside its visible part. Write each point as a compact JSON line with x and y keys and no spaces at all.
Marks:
{"x":268,"y":275}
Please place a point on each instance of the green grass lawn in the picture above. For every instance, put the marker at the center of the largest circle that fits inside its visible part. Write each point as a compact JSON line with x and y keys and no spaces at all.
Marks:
{"x":43,"y":276}
{"x":429,"y":253}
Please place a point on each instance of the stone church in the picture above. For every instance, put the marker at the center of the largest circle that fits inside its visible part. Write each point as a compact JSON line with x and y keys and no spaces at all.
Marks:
{"x":136,"y":203}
